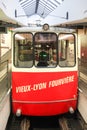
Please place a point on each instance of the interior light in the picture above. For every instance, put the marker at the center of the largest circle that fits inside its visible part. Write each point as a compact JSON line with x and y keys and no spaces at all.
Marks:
{"x":66,"y":36}
{"x":17,"y":36}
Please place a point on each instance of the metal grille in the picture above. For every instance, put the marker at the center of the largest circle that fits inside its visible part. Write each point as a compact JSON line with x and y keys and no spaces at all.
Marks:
{"x":39,"y":7}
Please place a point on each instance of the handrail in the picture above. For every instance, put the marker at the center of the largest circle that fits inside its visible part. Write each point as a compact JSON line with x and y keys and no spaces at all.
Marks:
{"x":4,"y":76}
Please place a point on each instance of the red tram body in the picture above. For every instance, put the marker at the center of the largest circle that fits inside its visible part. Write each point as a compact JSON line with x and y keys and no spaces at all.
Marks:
{"x":44,"y":72}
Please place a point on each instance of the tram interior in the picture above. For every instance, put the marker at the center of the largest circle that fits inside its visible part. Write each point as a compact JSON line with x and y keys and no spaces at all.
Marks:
{"x":48,"y":50}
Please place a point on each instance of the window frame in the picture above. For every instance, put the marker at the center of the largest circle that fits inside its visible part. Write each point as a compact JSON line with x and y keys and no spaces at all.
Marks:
{"x":56,"y":43}
{"x":74,"y":49}
{"x":14,"y":49}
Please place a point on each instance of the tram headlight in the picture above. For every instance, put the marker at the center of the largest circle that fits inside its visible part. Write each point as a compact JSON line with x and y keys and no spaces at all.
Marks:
{"x":18,"y":112}
{"x":71,"y":110}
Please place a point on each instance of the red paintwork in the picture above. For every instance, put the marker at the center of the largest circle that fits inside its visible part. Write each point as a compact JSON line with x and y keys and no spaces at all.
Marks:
{"x":41,"y":95}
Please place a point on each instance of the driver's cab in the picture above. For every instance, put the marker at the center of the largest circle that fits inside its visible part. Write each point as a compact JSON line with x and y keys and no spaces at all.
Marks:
{"x":43,"y":58}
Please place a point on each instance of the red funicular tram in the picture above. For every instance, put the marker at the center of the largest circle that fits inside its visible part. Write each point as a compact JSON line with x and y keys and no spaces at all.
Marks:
{"x":44,"y":71}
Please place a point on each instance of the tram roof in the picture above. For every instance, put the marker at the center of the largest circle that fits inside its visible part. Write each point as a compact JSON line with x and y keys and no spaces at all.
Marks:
{"x":40,"y":29}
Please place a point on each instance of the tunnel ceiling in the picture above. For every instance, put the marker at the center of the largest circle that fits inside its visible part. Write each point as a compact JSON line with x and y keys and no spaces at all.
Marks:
{"x":76,"y":24}
{"x":6,"y":21}
{"x":39,"y":7}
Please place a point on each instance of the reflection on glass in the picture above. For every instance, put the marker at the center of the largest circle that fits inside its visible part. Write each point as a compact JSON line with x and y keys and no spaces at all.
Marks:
{"x":23,"y":50}
{"x":66,"y":50}
{"x":45,"y":49}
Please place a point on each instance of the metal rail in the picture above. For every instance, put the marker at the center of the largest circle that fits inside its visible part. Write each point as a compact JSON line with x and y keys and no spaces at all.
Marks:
{"x":25,"y":124}
{"x":65,"y":122}
{"x":70,"y":123}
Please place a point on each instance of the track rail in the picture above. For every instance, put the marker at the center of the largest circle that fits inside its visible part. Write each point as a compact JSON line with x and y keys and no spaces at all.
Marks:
{"x":25,"y":124}
{"x":64,"y":123}
{"x":70,"y":123}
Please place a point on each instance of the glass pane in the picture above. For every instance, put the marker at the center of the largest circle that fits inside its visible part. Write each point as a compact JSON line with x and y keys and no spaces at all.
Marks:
{"x":23,"y":50}
{"x":66,"y":50}
{"x":45,"y":49}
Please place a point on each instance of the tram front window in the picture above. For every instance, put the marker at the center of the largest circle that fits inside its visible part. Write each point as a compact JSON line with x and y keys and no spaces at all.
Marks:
{"x":45,"y":49}
{"x":66,"y":49}
{"x":23,"y":50}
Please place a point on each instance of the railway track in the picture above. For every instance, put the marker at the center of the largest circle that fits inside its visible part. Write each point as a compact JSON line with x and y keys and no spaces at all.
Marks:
{"x":63,"y":122}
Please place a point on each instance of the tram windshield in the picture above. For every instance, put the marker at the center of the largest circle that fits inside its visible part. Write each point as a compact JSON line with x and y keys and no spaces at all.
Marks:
{"x":44,"y":49}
